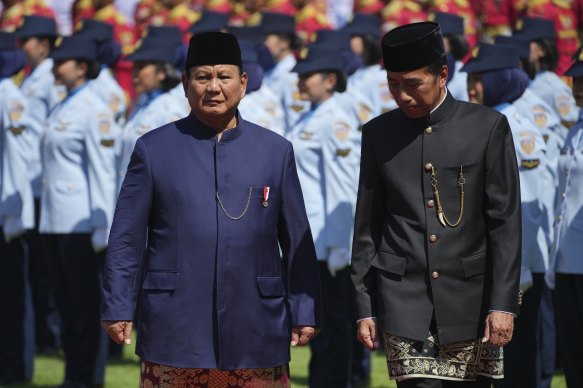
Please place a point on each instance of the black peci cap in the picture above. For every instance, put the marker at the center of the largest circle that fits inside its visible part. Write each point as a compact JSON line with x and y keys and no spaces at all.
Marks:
{"x":412,"y":46}
{"x":213,"y":48}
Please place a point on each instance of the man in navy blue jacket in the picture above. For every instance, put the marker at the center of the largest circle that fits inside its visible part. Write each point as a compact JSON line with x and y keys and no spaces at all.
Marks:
{"x":205,"y":206}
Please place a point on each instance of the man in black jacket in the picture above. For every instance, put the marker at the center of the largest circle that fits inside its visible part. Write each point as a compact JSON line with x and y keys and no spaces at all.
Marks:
{"x":436,"y":254}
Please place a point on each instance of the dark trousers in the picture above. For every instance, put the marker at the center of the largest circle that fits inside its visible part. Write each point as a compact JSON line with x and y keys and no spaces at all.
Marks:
{"x":436,"y":383}
{"x":330,"y":364}
{"x":46,"y":317}
{"x":521,"y":355}
{"x":547,"y":350}
{"x":569,"y":309}
{"x":17,"y":322}
{"x":74,"y":271}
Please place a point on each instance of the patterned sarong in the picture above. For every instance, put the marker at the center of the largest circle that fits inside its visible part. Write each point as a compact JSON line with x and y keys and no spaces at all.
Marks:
{"x":162,"y":376}
{"x":460,"y":361}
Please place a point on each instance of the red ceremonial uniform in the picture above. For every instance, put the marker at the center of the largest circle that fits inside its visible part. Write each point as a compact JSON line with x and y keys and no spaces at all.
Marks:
{"x":562,"y":14}
{"x":242,"y":17}
{"x":373,"y":7}
{"x":399,"y":12}
{"x":281,"y":6}
{"x":310,"y":19}
{"x":12,"y":17}
{"x":82,"y":9}
{"x":464,"y":9}
{"x":224,"y":6}
{"x":125,"y":35}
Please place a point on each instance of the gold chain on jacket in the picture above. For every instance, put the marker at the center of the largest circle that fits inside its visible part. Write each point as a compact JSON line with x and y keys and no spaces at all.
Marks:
{"x":244,"y":210}
{"x":440,"y":213}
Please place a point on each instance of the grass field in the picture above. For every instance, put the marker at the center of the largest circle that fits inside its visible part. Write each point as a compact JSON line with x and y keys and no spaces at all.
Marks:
{"x":125,"y":372}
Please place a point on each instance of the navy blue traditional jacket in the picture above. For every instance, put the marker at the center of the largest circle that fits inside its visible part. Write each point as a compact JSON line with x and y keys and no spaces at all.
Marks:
{"x":195,"y":247}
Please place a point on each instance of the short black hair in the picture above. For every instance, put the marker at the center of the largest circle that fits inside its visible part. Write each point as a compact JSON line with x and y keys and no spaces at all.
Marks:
{"x":372,"y":50}
{"x":550,"y":60}
{"x":172,"y":79}
{"x":93,"y":68}
{"x":341,"y":79}
{"x":458,"y":46}
{"x":435,"y":67}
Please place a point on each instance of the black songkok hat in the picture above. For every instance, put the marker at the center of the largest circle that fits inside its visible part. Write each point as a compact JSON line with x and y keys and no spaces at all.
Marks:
{"x":412,"y":46}
{"x":213,"y":48}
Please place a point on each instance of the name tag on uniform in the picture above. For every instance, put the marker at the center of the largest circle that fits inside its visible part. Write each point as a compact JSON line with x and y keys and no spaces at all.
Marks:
{"x":530,"y":164}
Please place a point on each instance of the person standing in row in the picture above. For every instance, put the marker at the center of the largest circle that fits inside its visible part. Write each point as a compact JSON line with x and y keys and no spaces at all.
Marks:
{"x":77,"y":204}
{"x":206,"y":204}
{"x":326,"y":141}
{"x":566,"y":269}
{"x":436,"y":253}
{"x":18,"y":131}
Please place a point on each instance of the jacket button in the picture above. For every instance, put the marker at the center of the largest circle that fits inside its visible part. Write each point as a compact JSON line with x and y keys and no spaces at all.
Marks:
{"x":433,"y":238}
{"x":429,"y":130}
{"x":430,"y":203}
{"x":434,"y":275}
{"x":428,"y":166}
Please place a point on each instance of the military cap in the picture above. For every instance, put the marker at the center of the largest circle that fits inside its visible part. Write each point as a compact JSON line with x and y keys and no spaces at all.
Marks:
{"x":450,"y":24}
{"x":213,"y":48}
{"x":278,"y":23}
{"x":251,"y":33}
{"x":364,"y":24}
{"x":412,"y":46}
{"x":153,"y":50}
{"x":210,"y":21}
{"x":488,"y":57}
{"x":34,"y":25}
{"x":73,"y":47}
{"x":168,"y":34}
{"x":576,"y":69}
{"x":95,"y":30}
{"x":339,"y":39}
{"x":318,"y":58}
{"x":248,"y":51}
{"x":7,"y":41}
{"x":11,"y":58}
{"x":536,"y":28}
{"x":520,"y":43}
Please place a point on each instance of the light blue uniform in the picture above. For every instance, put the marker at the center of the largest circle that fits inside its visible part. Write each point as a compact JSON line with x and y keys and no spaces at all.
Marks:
{"x":41,"y":92}
{"x":548,"y":86}
{"x":530,"y":152}
{"x":372,"y":82}
{"x":19,"y":131}
{"x":284,"y":84}
{"x":357,"y":104}
{"x":154,"y":110}
{"x":79,"y":185}
{"x":566,"y":256}
{"x":178,"y":93}
{"x":106,"y":87}
{"x":262,"y":107}
{"x":327,"y":149}
{"x":458,"y":85}
{"x":542,"y":116}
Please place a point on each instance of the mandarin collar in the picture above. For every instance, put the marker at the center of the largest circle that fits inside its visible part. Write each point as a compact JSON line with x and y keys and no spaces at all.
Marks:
{"x":442,"y":111}
{"x":203,"y":131}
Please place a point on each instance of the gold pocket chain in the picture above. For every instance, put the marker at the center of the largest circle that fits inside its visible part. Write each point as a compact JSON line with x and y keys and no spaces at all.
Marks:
{"x":244,"y":210}
{"x":440,"y":213}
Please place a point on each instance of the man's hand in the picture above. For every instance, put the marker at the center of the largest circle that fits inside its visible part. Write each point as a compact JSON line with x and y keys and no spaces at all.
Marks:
{"x":119,"y":331}
{"x":499,"y":328}
{"x":301,"y":335}
{"x":367,"y":333}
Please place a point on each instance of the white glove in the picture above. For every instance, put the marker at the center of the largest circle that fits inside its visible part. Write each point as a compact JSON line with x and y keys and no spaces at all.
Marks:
{"x":13,"y":228}
{"x":525,"y":279}
{"x":338,"y":259}
{"x":99,"y":239}
{"x":550,"y":279}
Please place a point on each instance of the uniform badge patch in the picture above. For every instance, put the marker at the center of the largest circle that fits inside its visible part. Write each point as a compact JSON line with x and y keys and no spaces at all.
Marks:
{"x":297,"y":108}
{"x":114,"y":103}
{"x":527,"y":142}
{"x":16,"y":111}
{"x":540,"y":116}
{"x":62,"y":125}
{"x":306,"y":135}
{"x":364,"y":112}
{"x":563,"y":104}
{"x":343,"y":152}
{"x":107,"y":143}
{"x":16,"y":131}
{"x":341,"y":130}
{"x":104,"y":124}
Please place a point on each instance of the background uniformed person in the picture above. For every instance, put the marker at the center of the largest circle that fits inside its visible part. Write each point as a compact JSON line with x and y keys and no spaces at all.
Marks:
{"x":77,"y":204}
{"x":436,"y":254}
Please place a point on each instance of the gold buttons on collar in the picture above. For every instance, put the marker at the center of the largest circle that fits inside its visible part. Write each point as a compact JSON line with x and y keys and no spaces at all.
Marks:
{"x":428,"y":130}
{"x":434,"y":275}
{"x":428,"y":167}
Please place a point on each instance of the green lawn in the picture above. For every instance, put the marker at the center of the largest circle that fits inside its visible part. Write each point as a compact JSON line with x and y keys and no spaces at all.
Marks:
{"x":125,"y":373}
